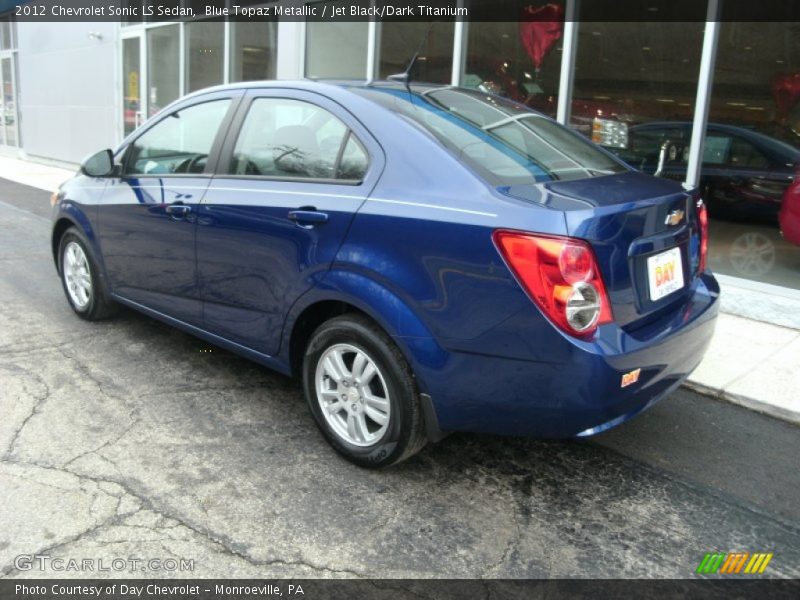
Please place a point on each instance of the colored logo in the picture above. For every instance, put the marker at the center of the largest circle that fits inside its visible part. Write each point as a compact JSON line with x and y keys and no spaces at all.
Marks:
{"x":673,"y":218}
{"x":630,"y":377}
{"x":734,"y":563}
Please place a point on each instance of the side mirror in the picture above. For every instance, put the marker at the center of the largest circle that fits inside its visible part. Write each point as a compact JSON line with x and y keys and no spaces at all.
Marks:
{"x":99,"y":165}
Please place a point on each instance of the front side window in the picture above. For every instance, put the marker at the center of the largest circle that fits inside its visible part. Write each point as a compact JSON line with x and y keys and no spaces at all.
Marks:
{"x":746,"y":155}
{"x":716,"y":149}
{"x":289,"y":139}
{"x":178,"y":144}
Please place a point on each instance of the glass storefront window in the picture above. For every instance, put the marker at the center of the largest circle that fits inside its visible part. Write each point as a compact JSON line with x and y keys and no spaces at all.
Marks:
{"x":253,"y":50}
{"x":9,"y":104}
{"x":757,"y":79}
{"x":634,"y":73}
{"x":753,"y":184}
{"x":399,"y":42}
{"x":163,"y":66}
{"x":518,"y":60}
{"x":205,"y":54}
{"x":336,"y":49}
{"x":131,"y":78}
{"x":6,"y":34}
{"x":9,"y":131}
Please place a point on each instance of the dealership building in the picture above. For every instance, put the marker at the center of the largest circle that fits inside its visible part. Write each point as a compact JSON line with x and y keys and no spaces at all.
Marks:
{"x":71,"y":88}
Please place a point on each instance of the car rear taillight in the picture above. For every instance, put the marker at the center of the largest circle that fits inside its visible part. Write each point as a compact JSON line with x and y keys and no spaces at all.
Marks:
{"x":561,"y":275}
{"x":702,"y":219}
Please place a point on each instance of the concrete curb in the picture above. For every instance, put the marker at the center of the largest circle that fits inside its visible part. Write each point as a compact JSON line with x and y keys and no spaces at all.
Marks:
{"x":764,"y":408}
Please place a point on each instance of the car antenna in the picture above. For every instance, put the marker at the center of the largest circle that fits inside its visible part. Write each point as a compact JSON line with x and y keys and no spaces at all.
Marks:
{"x":405,"y":76}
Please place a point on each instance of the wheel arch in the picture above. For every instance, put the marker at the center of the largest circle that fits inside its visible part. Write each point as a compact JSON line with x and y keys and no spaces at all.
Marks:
{"x":422,"y":352}
{"x":345,"y":291}
{"x":71,"y":215}
{"x":59,"y":228}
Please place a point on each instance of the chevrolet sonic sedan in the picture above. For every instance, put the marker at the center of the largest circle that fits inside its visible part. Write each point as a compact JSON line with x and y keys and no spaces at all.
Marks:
{"x":427,"y":259}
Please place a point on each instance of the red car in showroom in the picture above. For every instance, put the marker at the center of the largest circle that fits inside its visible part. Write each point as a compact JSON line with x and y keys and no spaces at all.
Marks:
{"x":789,"y":215}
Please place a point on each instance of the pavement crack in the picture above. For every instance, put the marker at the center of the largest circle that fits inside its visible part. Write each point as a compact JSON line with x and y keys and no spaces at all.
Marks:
{"x":308,"y":565}
{"x":110,"y":442}
{"x":518,"y":496}
{"x":223,"y":543}
{"x":39,"y":402}
{"x":84,"y":370}
{"x":11,"y":569}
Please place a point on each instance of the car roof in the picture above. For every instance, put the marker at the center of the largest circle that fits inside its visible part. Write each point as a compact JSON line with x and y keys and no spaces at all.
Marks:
{"x":315,"y":85}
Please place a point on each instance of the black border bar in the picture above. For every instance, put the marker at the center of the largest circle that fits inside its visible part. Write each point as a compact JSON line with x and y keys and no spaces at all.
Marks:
{"x":393,"y":589}
{"x":133,"y":11}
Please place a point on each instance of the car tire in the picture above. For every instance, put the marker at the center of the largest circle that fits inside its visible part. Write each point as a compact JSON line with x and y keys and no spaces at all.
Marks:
{"x":80,"y":278}
{"x":372,"y":413}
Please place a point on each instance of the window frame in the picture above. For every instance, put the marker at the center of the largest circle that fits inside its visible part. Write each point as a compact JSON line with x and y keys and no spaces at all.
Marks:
{"x":123,"y":154}
{"x":314,"y":99}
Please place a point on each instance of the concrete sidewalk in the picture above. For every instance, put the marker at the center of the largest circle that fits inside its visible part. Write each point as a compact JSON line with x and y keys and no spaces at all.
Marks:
{"x":33,"y":174}
{"x":754,"y":358}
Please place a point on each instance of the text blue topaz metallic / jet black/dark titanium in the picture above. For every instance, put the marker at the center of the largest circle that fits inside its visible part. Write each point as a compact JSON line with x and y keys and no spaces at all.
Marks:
{"x":428,"y":259}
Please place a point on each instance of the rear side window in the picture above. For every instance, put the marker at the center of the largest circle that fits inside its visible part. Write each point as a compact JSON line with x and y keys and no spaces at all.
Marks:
{"x":503,"y":142}
{"x":178,"y":144}
{"x":289,"y":139}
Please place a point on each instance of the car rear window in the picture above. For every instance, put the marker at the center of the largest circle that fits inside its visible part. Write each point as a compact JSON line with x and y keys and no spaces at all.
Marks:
{"x":503,"y":142}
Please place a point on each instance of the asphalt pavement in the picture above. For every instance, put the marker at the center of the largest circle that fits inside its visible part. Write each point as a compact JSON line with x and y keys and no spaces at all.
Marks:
{"x":128,"y":439}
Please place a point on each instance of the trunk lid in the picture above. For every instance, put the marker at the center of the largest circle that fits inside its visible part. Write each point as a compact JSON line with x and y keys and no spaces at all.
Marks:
{"x":633,"y":222}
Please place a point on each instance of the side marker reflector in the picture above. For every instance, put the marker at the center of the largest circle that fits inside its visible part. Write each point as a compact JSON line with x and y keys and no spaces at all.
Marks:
{"x":630,"y":378}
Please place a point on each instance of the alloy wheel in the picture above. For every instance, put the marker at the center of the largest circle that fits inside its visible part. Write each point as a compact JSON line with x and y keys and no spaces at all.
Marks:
{"x":77,"y":275}
{"x":352,"y":395}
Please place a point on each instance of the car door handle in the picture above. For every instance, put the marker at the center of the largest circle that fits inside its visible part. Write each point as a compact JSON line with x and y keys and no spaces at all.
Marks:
{"x":307,"y":217}
{"x":178,"y":211}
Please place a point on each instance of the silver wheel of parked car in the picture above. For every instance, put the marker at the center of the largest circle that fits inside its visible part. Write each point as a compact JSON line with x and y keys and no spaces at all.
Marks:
{"x":77,"y":276}
{"x":352,"y":395}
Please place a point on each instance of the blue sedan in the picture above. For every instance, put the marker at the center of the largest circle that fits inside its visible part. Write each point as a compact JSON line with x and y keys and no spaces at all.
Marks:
{"x":426,"y":259}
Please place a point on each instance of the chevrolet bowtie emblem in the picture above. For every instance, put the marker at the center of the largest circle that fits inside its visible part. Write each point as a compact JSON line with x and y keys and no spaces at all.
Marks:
{"x":673,"y":218}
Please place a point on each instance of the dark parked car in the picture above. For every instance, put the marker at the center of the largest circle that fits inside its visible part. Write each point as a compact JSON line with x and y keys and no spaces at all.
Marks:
{"x":745,"y":174}
{"x":426,"y":259}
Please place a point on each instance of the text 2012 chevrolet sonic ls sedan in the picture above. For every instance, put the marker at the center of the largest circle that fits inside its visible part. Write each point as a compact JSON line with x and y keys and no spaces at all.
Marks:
{"x":427,"y":259}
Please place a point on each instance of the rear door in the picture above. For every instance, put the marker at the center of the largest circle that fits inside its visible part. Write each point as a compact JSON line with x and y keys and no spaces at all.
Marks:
{"x":294,"y":170}
{"x":148,"y":214}
{"x":752,"y":189}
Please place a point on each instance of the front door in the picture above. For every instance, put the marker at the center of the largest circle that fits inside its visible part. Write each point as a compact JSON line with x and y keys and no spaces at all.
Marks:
{"x":273,"y":219}
{"x":148,"y":215}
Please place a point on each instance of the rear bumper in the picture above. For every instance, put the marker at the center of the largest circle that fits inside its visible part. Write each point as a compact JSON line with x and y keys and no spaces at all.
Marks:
{"x":581,"y":395}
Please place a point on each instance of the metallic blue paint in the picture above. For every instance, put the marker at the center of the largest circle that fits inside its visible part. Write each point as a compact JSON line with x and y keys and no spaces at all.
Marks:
{"x":411,"y":246}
